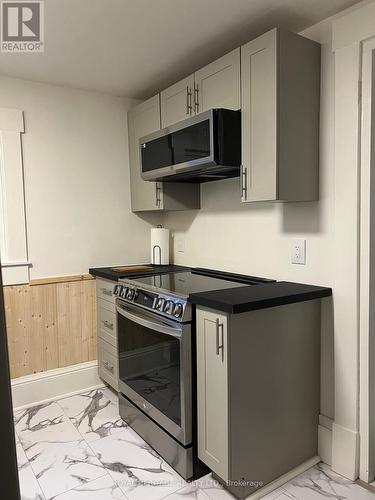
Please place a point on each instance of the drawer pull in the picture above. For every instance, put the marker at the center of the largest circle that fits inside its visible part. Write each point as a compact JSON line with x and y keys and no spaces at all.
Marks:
{"x":219,"y":346}
{"x":108,"y":366}
{"x":107,"y":324}
{"x":105,"y":291}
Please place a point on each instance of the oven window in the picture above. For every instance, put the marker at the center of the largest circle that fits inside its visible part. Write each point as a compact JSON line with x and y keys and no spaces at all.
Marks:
{"x":150,"y":365}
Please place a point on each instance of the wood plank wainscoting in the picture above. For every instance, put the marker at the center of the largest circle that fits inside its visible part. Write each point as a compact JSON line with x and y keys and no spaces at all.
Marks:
{"x":51,"y":323}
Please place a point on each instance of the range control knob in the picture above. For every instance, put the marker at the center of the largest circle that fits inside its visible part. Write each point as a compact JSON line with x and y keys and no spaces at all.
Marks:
{"x":130,"y":293}
{"x":177,"y":310}
{"x":122,"y":292}
{"x":160,"y":304}
{"x":168,"y":307}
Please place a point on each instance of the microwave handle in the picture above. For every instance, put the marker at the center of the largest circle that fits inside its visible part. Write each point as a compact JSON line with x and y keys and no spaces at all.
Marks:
{"x":143,"y":320}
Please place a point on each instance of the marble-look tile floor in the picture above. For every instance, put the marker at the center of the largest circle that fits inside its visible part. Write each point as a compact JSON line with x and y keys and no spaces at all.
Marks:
{"x":78,"y":448}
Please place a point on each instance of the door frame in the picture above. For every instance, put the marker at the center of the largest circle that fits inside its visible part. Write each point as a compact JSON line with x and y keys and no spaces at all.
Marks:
{"x":367,"y":265}
{"x":352,"y":440}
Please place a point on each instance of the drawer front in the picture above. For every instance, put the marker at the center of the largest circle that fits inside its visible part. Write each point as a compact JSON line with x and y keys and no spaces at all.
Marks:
{"x":107,"y":321}
{"x":108,"y":337}
{"x":108,"y":363}
{"x":105,"y":304}
{"x":105,"y":290}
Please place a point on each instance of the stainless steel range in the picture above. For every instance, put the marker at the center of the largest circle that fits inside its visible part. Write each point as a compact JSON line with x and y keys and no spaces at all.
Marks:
{"x":156,"y":360}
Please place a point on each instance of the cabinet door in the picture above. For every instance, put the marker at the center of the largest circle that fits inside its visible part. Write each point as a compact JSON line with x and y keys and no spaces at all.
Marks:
{"x":259,"y":118}
{"x":142,"y":120}
{"x":212,"y":383}
{"x":177,"y":102}
{"x":218,"y":85}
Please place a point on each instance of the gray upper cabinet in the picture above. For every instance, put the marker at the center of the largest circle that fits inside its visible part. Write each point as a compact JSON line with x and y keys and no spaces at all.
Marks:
{"x":218,"y":85}
{"x":144,"y":119}
{"x":275,"y":81}
{"x":280,"y":100}
{"x":177,"y":102}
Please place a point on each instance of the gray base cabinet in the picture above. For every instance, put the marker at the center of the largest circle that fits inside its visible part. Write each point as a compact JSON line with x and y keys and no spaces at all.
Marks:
{"x":258,"y":378}
{"x":280,"y":101}
{"x":107,"y":336}
{"x":212,"y":392}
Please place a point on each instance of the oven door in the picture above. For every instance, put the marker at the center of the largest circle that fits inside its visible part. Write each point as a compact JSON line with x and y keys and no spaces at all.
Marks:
{"x":155,"y":368}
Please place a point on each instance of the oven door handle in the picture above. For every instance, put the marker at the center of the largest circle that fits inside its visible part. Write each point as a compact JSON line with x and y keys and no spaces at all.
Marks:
{"x":142,"y":320}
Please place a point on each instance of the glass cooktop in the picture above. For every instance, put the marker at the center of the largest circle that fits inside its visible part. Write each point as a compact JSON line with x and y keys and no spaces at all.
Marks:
{"x":184,"y":283}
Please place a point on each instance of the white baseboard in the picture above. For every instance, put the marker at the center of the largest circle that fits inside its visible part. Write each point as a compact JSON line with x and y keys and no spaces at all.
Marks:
{"x":284,"y":479}
{"x":345,"y":451}
{"x":325,"y":439}
{"x":53,"y":384}
{"x":325,"y":444}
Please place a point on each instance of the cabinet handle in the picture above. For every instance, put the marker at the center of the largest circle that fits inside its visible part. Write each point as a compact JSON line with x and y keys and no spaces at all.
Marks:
{"x":107,"y":324}
{"x":196,"y":98}
{"x":105,"y":291}
{"x":157,"y":194}
{"x":189,"y":107}
{"x":108,"y":366}
{"x":219,"y":326}
{"x":243,"y":183}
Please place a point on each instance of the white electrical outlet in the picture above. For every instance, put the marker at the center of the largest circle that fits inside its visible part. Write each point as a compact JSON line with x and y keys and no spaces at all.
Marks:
{"x":180,"y":244}
{"x":298,"y":252}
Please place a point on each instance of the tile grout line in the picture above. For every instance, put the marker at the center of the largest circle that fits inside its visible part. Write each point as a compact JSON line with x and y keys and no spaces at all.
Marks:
{"x":183,"y":487}
{"x":88,"y":444}
{"x":28,"y":461}
{"x":92,"y":451}
{"x":106,"y":473}
{"x":33,"y":473}
{"x":78,"y":486}
{"x":65,"y":442}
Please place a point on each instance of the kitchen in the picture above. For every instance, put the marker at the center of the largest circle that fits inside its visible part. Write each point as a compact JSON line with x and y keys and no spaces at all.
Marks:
{"x":68,"y":218}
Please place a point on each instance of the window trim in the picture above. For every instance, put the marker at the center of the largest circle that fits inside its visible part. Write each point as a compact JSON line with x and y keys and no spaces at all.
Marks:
{"x":13,"y":244}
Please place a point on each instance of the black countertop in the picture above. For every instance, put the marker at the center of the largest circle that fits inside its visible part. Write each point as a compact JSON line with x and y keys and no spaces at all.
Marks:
{"x":109,"y":274}
{"x":232,"y":300}
{"x":262,"y":296}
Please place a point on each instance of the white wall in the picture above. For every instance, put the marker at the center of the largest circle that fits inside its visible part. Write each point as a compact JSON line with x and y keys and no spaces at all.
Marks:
{"x":255,"y":238}
{"x":76,"y":179}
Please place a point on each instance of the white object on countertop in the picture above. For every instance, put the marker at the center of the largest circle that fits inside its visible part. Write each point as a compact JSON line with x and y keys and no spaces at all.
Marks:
{"x":160,"y":246}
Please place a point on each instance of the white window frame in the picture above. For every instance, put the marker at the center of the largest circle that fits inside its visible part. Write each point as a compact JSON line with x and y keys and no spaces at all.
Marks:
{"x":13,"y":239}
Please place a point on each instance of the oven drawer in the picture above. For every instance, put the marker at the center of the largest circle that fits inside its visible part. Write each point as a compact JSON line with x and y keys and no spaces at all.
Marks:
{"x":105,"y":290}
{"x":107,"y":327}
{"x":108,"y":363}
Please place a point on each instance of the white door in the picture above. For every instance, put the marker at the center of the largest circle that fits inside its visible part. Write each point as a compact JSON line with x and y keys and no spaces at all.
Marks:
{"x":177,"y":102}
{"x":212,"y":383}
{"x":259,"y":118}
{"x":218,"y":85}
{"x":142,"y":120}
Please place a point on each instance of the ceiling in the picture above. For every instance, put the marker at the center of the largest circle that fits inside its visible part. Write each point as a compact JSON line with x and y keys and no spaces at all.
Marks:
{"x":135,"y":48}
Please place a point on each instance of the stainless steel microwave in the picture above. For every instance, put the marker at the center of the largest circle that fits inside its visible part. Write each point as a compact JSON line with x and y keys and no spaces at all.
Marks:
{"x":205,"y":147}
